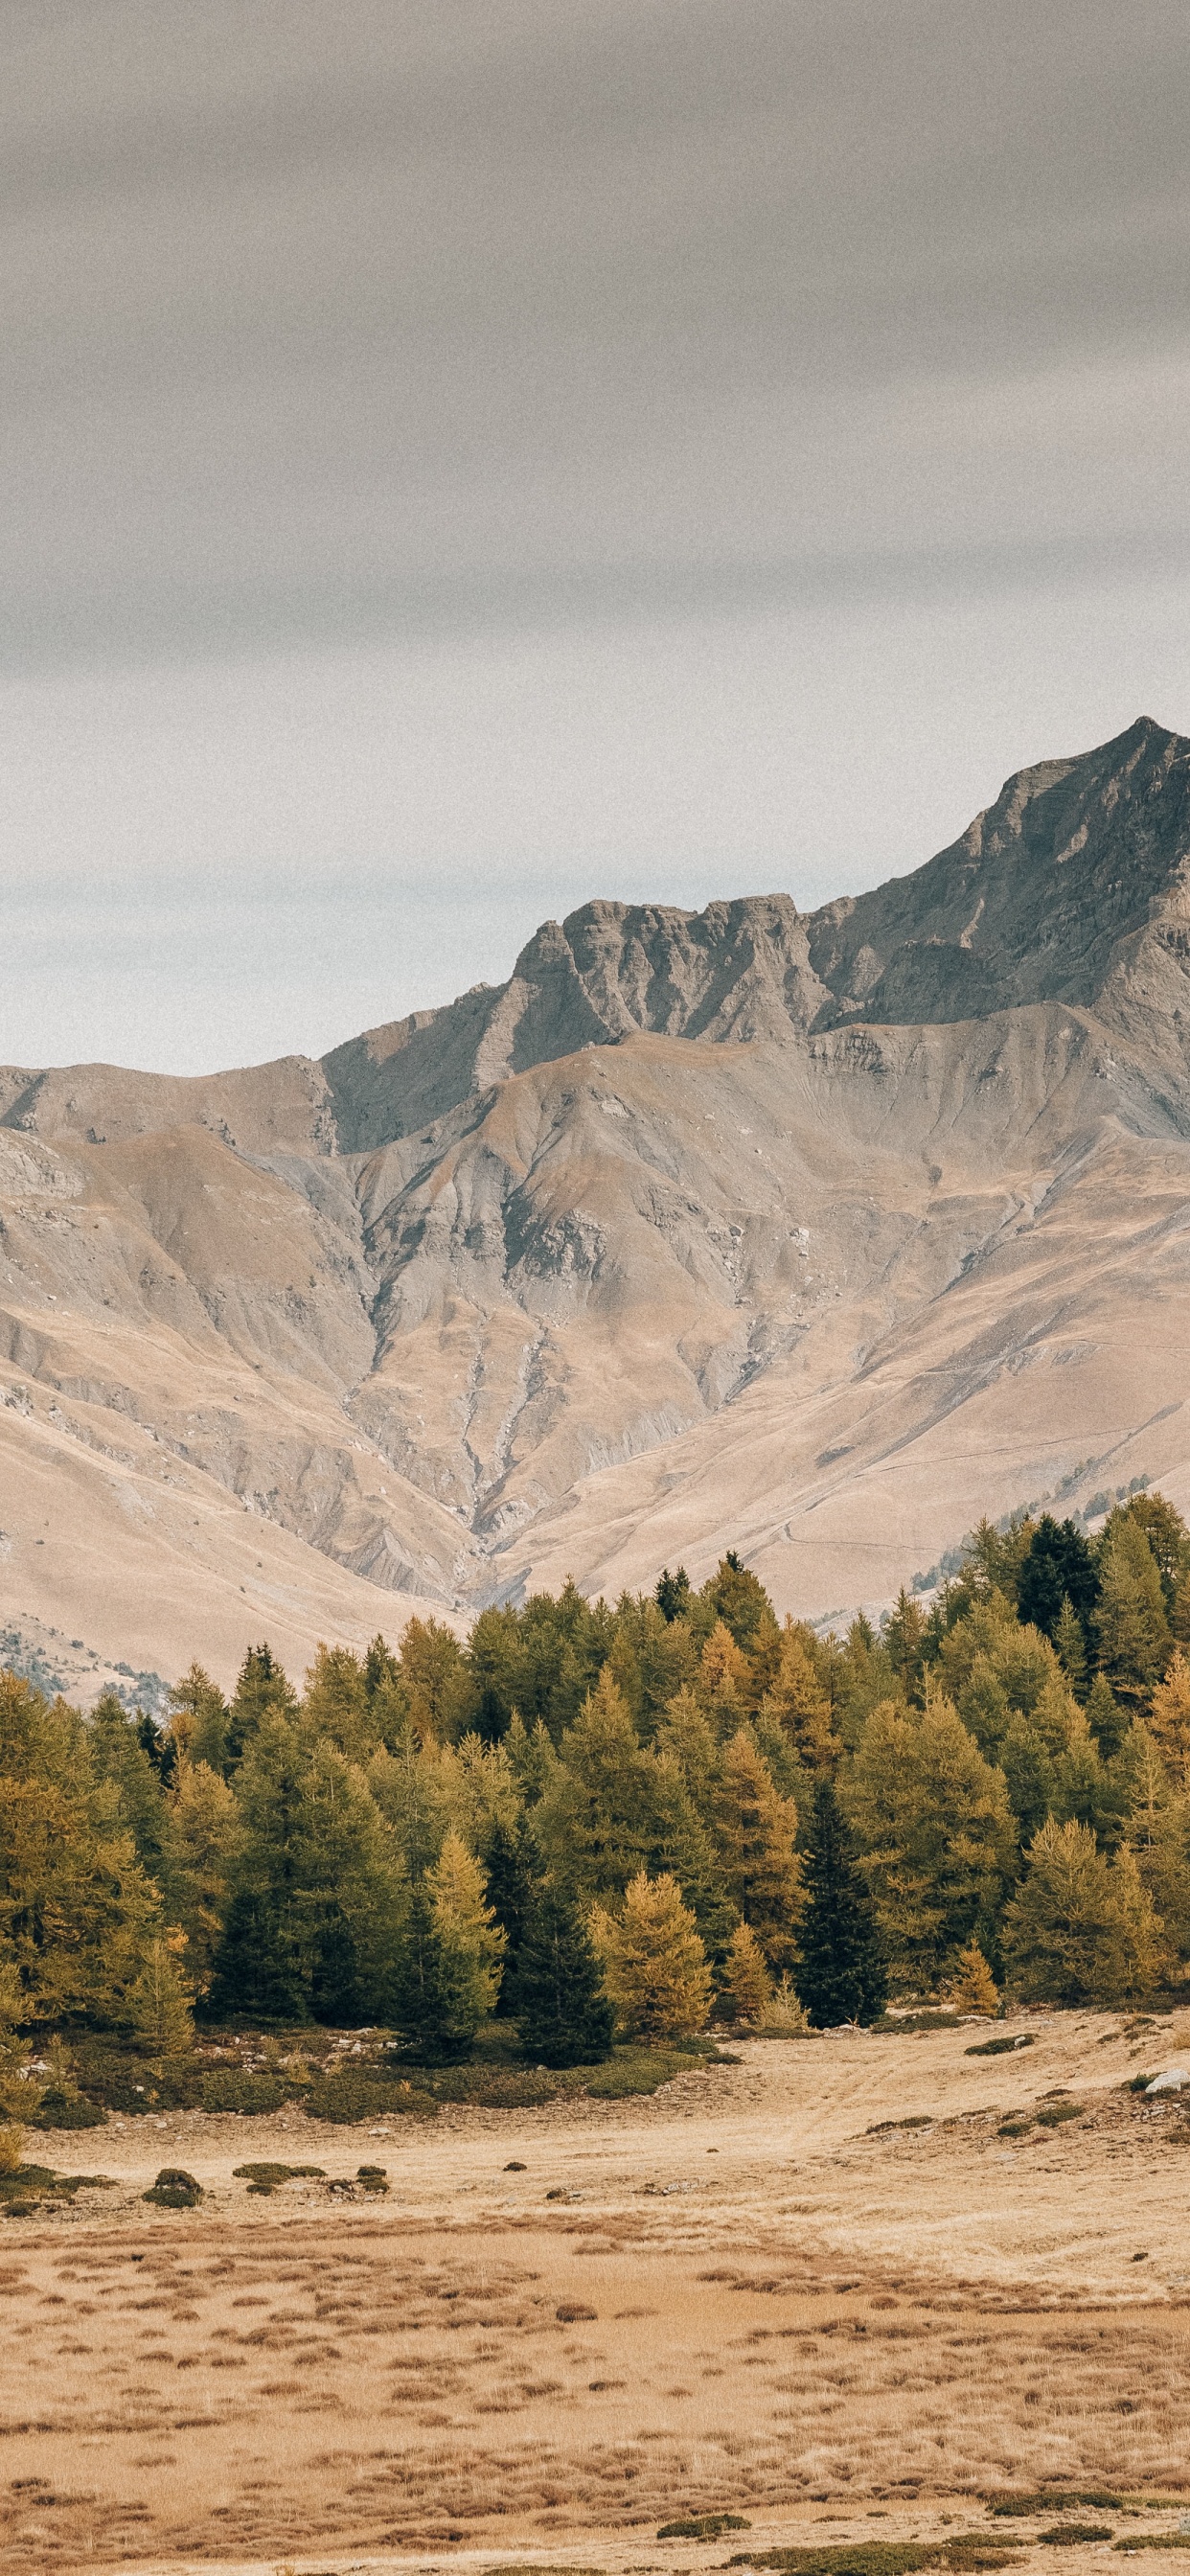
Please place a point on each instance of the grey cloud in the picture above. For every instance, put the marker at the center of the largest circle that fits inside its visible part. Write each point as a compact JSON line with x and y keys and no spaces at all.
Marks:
{"x":321,"y":320}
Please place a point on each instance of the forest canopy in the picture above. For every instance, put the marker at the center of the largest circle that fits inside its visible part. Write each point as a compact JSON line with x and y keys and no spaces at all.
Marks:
{"x":598,"y":1820}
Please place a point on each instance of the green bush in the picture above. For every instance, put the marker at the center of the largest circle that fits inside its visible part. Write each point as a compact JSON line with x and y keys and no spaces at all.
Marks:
{"x":174,"y":2189}
{"x":967,"y":2550}
{"x":495,"y":2088}
{"x":346,"y":2099}
{"x":226,"y":2089}
{"x":1058,"y":2500}
{"x":1066,"y":2535}
{"x":703,"y":2526}
{"x":1052,"y":2114}
{"x":266,"y":2177}
{"x":58,"y":2110}
{"x":1005,"y":2047}
{"x":634,"y":2070}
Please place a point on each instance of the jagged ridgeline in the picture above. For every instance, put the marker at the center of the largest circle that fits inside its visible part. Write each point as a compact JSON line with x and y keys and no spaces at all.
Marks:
{"x":690,"y":1235}
{"x":590,"y":1826}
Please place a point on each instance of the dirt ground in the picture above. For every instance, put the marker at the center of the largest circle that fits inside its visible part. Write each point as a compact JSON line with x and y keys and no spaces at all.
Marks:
{"x":562,"y":2327}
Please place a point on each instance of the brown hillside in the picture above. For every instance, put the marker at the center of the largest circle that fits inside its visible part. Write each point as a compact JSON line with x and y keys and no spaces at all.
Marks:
{"x":813,"y":1235}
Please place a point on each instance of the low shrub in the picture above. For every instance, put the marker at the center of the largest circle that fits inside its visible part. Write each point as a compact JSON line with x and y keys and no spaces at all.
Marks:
{"x":17,"y":2181}
{"x":174,"y":2189}
{"x":1052,"y":2114}
{"x":703,"y":2526}
{"x":1067,"y":2535}
{"x":1014,"y":2128}
{"x":496,"y":2088}
{"x":1137,"y":2083}
{"x":268,"y":2177}
{"x":967,"y":2550}
{"x":226,"y":2089}
{"x":916,"y":2120}
{"x":346,"y":2099}
{"x":372,"y":2177}
{"x":637,"y":2070}
{"x":1058,"y":2500}
{"x":894,"y":2025}
{"x":57,"y":2110}
{"x":1006,"y":2046}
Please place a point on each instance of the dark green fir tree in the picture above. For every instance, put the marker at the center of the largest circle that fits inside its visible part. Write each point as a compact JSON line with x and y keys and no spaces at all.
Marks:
{"x":512,"y":1882}
{"x":423,"y":2004}
{"x":565,"y":2017}
{"x":842,"y":1974}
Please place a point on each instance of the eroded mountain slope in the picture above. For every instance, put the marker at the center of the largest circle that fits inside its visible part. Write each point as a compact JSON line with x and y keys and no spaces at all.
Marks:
{"x":808,"y":1234}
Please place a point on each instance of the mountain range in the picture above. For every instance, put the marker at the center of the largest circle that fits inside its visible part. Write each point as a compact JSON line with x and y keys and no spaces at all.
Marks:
{"x":815,"y":1235}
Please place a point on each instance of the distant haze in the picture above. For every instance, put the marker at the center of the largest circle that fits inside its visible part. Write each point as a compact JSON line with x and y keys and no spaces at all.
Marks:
{"x":458,"y":461}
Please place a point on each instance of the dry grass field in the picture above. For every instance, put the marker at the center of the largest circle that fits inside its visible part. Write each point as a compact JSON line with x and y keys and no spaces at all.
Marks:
{"x":752,"y":2293}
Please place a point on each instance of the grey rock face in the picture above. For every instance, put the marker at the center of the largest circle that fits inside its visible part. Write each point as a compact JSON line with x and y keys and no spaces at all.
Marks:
{"x":1074,"y":886}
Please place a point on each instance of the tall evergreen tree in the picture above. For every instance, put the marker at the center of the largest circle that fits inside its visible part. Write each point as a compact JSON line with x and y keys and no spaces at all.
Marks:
{"x":672,"y":1595}
{"x":755,"y":1847}
{"x":261,"y":1690}
{"x":1130,"y":1617}
{"x":654,"y":1964}
{"x":842,"y":1975}
{"x":198,"y":1719}
{"x":557,"y":1986}
{"x":508,"y":1859}
{"x":1059,"y":1566}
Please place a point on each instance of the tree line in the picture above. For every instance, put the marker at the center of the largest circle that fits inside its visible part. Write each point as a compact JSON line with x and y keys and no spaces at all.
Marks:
{"x":601,"y":1819}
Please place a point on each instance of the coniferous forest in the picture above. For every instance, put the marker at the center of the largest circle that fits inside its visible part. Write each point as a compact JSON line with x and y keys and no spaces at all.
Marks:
{"x":590,"y":1826}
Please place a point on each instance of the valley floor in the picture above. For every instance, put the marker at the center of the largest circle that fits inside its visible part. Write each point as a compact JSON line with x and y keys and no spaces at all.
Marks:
{"x":563,"y":2327}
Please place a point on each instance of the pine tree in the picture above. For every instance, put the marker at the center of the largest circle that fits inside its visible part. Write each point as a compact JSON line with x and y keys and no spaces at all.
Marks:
{"x":654,"y":1965}
{"x":419,"y":1999}
{"x":1179,"y":1617}
{"x":335,"y":1703}
{"x":204,"y":1840}
{"x":159,"y":2001}
{"x":1070,"y":1645}
{"x":749,"y":1986}
{"x":755,"y":1847}
{"x":935,"y":1833}
{"x":509,"y":1861}
{"x":974,"y":1989}
{"x":1105,"y":1717}
{"x":1169,"y":1717}
{"x":1078,"y":1931}
{"x":738,"y":1598}
{"x":118,"y":1755}
{"x":672,"y":1595}
{"x":76,"y":1905}
{"x":262,"y":1690}
{"x":904,"y":1632}
{"x":198,"y":1719}
{"x":471,"y":1942}
{"x":597,"y":1816}
{"x":687,"y":1738}
{"x":1130,"y":1620}
{"x":1059,"y":1566}
{"x":263,"y":1964}
{"x":797,"y":1700}
{"x":565,"y":2018}
{"x":724,"y":1680}
{"x":842,"y":1974}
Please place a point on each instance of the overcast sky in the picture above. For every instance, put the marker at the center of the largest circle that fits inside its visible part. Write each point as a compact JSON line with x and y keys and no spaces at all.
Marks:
{"x":464,"y":457}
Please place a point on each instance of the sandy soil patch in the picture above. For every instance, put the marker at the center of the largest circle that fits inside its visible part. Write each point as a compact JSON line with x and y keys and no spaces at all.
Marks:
{"x":564,"y":2326}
